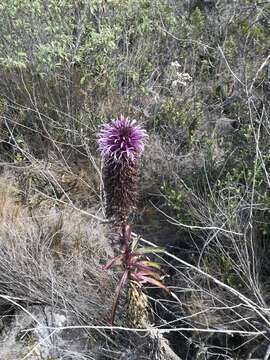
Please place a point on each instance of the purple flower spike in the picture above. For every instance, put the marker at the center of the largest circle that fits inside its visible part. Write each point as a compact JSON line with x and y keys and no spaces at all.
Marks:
{"x":121,"y":140}
{"x":121,"y":143}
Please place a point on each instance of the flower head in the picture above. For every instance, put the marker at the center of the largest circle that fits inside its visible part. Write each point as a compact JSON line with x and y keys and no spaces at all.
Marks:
{"x":121,"y":140}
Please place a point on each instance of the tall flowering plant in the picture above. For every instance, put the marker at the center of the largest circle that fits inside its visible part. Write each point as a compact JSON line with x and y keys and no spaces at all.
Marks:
{"x":121,"y":143}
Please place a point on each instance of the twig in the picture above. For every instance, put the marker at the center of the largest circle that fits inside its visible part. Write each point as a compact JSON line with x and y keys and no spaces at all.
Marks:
{"x":196,"y":227}
{"x":251,"y":304}
{"x":72,"y":206}
{"x":161,"y":331}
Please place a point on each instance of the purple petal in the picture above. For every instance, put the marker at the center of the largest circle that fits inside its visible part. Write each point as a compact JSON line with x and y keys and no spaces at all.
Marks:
{"x":121,"y":139}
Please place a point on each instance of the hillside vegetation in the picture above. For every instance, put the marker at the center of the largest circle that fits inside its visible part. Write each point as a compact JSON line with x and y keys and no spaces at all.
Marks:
{"x":196,"y":75}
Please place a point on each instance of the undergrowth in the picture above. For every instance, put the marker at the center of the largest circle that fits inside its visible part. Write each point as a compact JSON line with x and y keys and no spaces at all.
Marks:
{"x":195,"y":74}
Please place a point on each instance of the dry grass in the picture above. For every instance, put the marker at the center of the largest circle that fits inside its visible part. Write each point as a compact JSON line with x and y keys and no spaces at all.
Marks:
{"x":208,"y":144}
{"x":54,"y":259}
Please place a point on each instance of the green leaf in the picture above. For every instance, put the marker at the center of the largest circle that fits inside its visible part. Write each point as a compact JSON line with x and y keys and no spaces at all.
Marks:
{"x":149,"y":250}
{"x":151,"y":264}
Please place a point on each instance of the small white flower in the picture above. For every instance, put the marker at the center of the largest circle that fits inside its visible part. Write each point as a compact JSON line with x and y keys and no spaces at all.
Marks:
{"x":175,"y":64}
